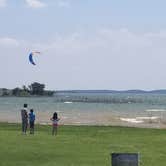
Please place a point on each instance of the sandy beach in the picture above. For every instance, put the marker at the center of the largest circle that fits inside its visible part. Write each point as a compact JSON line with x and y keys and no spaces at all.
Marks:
{"x":90,"y":119}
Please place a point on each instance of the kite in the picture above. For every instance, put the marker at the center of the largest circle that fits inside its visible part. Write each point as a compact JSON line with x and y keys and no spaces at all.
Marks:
{"x":31,"y":57}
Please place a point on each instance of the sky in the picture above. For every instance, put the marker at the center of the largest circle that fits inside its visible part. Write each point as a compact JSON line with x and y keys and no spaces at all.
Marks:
{"x":84,"y":44}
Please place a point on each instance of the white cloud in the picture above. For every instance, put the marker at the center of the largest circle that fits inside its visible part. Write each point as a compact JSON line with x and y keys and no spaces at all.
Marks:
{"x":106,"y":59}
{"x":132,"y":60}
{"x":3,"y":3}
{"x":63,"y":3}
{"x":35,"y":4}
{"x":9,"y":42}
{"x":122,"y":42}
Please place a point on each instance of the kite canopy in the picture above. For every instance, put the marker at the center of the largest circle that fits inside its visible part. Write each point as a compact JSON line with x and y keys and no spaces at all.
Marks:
{"x":31,"y":57}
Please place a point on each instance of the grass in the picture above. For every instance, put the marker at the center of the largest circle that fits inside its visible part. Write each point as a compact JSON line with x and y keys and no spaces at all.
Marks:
{"x":79,"y":145}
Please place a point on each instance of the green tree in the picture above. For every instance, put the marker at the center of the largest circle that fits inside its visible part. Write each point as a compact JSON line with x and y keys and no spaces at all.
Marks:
{"x":5,"y":92}
{"x":25,"y":88}
{"x":16,"y":91}
{"x":37,"y":88}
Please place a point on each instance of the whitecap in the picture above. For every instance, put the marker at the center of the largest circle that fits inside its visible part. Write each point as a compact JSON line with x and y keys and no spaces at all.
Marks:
{"x":68,"y":102}
{"x":155,"y":110}
{"x":148,"y":118}
{"x":132,"y":120}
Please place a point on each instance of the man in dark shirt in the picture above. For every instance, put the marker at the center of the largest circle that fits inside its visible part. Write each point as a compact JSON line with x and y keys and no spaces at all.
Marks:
{"x":24,"y":117}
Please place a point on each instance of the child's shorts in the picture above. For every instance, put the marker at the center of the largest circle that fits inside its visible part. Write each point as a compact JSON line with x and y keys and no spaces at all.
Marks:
{"x":55,"y":125}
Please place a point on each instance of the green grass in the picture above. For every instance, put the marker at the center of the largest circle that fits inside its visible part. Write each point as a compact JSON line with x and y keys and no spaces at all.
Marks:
{"x":79,"y":145}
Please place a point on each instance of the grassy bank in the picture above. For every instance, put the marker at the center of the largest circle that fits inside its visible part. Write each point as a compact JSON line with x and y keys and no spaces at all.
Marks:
{"x":79,"y":145}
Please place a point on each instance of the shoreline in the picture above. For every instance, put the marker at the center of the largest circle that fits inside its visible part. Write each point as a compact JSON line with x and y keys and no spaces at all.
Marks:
{"x":95,"y":125}
{"x":91,"y":120}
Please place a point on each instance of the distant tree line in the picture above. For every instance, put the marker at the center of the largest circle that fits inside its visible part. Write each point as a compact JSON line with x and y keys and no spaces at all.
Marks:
{"x":35,"y":89}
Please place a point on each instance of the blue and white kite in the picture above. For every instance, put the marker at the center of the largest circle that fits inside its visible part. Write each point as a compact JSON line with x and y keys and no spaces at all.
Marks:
{"x":31,"y":56}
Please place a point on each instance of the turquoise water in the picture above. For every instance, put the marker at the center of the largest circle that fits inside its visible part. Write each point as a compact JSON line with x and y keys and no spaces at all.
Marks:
{"x":119,"y":105}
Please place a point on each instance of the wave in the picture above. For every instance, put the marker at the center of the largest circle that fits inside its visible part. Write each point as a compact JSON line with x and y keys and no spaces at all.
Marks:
{"x":68,"y":102}
{"x":155,"y":110}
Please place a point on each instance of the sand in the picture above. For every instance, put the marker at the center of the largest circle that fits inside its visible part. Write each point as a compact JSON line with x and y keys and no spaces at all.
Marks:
{"x":89,"y":119}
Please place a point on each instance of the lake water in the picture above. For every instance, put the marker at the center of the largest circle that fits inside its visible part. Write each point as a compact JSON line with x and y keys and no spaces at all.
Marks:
{"x":89,"y":108}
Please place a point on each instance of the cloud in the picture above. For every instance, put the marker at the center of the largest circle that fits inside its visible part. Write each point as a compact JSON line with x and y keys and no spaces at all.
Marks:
{"x":63,"y":3}
{"x":9,"y":42}
{"x":3,"y":3}
{"x":113,"y":59}
{"x":35,"y":3}
{"x":121,"y":42}
{"x":103,"y":59}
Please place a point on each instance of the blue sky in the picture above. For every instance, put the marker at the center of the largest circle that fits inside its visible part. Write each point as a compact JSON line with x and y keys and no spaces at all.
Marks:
{"x":84,"y":44}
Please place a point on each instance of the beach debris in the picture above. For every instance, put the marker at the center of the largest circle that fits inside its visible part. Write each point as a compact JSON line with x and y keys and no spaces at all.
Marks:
{"x":31,"y":56}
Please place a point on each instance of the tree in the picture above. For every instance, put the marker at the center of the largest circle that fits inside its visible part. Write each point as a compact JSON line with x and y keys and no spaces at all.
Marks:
{"x":16,"y":91}
{"x":25,"y":88}
{"x":5,"y":92}
{"x":37,"y":88}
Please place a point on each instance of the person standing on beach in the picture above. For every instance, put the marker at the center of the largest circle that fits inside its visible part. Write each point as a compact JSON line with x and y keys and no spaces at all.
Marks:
{"x":31,"y":121}
{"x":24,"y":117}
{"x":54,"y":120}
